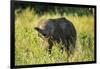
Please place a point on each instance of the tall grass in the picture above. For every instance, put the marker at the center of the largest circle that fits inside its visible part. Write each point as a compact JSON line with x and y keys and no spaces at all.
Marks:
{"x":31,"y":49}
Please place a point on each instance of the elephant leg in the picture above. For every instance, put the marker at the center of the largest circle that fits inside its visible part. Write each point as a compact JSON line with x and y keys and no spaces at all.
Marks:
{"x":50,"y":46}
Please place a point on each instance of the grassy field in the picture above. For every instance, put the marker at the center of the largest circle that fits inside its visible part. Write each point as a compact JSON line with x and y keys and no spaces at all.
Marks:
{"x":31,"y":49}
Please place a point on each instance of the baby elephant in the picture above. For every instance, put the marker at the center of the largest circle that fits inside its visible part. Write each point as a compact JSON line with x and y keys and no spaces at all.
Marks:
{"x":58,"y":30}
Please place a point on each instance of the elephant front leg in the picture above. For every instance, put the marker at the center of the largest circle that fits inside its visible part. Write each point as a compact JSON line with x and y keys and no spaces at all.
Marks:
{"x":50,"y":46}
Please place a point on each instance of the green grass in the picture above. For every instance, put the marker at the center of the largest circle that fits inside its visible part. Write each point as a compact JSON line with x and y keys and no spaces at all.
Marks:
{"x":31,"y":49}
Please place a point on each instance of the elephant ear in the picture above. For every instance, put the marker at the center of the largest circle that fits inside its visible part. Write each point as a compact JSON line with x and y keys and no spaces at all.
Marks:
{"x":46,"y":29}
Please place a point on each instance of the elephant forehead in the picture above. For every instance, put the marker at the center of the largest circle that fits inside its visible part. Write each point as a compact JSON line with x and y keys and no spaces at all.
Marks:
{"x":46,"y":24}
{"x":41,"y":27}
{"x":43,"y":24}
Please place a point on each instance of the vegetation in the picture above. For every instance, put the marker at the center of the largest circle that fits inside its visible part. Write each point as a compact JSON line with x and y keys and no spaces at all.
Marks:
{"x":31,"y":49}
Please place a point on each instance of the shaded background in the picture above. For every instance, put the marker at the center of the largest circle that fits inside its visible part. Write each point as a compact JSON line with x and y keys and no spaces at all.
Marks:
{"x":41,"y":9}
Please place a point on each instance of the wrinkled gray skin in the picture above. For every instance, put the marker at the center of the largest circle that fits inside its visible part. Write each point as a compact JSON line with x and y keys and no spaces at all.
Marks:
{"x":57,"y":30}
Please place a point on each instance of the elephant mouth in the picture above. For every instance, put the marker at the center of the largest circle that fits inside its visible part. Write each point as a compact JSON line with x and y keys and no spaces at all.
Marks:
{"x":41,"y":33}
{"x":43,"y":36}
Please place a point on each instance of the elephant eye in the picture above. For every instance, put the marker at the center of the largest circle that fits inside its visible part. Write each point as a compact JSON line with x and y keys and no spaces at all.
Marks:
{"x":44,"y":34}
